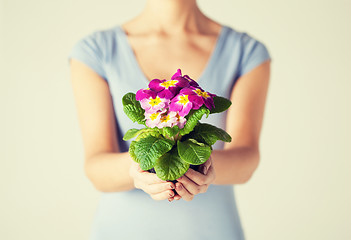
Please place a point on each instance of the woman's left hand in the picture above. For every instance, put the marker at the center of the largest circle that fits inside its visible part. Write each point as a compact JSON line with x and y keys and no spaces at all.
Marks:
{"x":194,"y":182}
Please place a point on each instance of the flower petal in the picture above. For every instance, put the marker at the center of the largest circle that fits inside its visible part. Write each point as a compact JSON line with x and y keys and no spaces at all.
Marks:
{"x":177,"y":74}
{"x":155,"y":85}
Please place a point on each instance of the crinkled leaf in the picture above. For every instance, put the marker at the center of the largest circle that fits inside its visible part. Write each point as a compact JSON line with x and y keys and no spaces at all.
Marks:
{"x":131,"y":133}
{"x":209,"y":134}
{"x":140,"y":133}
{"x":132,"y":151}
{"x":132,"y":108}
{"x":221,"y":104}
{"x":148,"y":132}
{"x":169,"y":131}
{"x":193,"y":118}
{"x":193,"y":152}
{"x":170,"y":166}
{"x":149,"y":149}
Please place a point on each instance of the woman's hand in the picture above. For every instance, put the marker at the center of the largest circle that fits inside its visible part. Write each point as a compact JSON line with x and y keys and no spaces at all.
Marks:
{"x":194,"y":182}
{"x":150,"y":183}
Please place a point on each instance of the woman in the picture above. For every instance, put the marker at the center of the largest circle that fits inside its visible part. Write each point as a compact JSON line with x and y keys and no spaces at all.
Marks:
{"x":106,"y":64}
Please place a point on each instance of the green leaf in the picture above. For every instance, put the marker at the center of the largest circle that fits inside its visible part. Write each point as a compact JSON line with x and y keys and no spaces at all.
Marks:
{"x":193,"y":118}
{"x":131,"y":133}
{"x":132,"y":151}
{"x":209,"y":134}
{"x":132,"y":108}
{"x":148,"y":132}
{"x":141,"y":133}
{"x":221,"y":104}
{"x":170,"y":166}
{"x":168,"y":131}
{"x":193,"y":152}
{"x":149,"y":149}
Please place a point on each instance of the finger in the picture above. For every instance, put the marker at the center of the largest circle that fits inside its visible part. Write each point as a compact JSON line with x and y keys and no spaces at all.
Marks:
{"x":206,"y":166}
{"x":181,"y":190}
{"x":158,"y":187}
{"x":177,"y":197}
{"x":149,"y":178}
{"x":192,"y":187}
{"x":163,"y":195}
{"x":197,"y":177}
{"x":211,"y":174}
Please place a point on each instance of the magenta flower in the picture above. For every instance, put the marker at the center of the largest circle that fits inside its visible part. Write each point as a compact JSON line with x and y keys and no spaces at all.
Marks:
{"x":152,"y":105}
{"x":195,"y":94}
{"x":145,"y":93}
{"x":178,"y":75}
{"x":184,"y":102}
{"x":167,"y":88}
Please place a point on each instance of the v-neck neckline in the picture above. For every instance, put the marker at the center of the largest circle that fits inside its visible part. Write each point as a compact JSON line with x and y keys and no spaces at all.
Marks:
{"x":210,"y":61}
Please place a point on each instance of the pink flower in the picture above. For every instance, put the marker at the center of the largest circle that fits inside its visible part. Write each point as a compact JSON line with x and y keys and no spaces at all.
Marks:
{"x":180,"y":121}
{"x":168,"y":120}
{"x":153,"y":119}
{"x":145,"y":93}
{"x":183,"y":104}
{"x":152,"y":105}
{"x":167,"y":88}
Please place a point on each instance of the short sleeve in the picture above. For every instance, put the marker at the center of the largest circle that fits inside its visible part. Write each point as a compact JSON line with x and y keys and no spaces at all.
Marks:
{"x":254,"y":53}
{"x":88,"y":50}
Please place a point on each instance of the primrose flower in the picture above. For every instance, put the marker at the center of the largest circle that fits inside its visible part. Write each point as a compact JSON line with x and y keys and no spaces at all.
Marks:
{"x":152,"y":105}
{"x":167,"y":88}
{"x":168,"y":120}
{"x":180,"y":121}
{"x":183,"y":104}
{"x":145,"y":93}
{"x":153,"y":119}
{"x":199,"y":95}
{"x":178,"y":75}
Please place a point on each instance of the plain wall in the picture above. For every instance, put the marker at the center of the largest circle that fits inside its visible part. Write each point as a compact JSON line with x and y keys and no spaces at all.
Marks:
{"x":301,"y":189}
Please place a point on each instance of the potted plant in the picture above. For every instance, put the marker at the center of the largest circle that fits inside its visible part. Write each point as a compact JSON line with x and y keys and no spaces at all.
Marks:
{"x":173,"y":138}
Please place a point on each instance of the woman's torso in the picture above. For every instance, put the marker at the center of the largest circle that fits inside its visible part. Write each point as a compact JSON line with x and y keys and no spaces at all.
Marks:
{"x":133,"y":214}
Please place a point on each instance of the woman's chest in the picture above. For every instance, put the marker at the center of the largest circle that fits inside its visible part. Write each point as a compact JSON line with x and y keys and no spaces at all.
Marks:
{"x":161,"y":57}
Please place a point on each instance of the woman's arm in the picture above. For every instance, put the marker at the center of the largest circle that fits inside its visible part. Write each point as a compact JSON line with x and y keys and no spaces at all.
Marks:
{"x":105,"y":166}
{"x":240,"y":158}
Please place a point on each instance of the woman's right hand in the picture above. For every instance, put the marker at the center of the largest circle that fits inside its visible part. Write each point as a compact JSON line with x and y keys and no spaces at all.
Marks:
{"x":150,"y":183}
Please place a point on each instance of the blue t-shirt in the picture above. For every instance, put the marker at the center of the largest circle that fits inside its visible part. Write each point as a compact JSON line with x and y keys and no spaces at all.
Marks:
{"x":133,"y":214}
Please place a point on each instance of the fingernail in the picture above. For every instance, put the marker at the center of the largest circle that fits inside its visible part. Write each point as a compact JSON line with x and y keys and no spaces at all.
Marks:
{"x":179,"y":187}
{"x":204,"y":170}
{"x":171,"y":186}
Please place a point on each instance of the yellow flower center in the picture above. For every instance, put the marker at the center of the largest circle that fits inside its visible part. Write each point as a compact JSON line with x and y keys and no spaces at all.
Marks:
{"x":183,"y":99}
{"x":170,"y":83}
{"x":154,"y":116}
{"x":198,"y":92}
{"x":155,"y":101}
{"x":165,"y":118}
{"x":205,"y":95}
{"x":201,"y":93}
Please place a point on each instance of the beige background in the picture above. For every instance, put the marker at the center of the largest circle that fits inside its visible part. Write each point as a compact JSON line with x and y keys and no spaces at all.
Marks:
{"x":301,"y":189}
